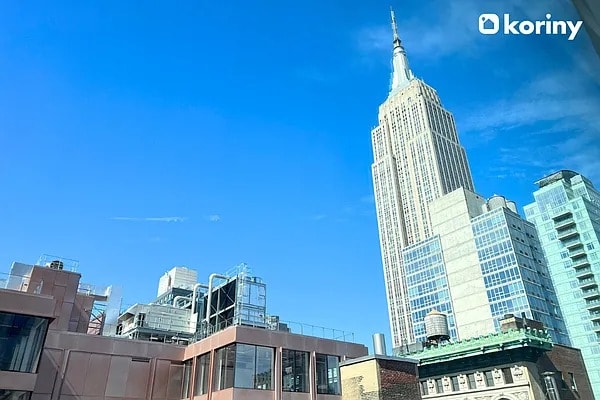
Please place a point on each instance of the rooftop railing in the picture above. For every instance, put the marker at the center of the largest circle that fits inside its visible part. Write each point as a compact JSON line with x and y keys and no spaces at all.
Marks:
{"x":318,"y":331}
{"x":20,"y":283}
{"x":67,"y":263}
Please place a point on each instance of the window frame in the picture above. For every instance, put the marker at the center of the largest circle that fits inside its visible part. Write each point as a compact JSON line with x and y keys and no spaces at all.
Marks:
{"x":330,"y":379}
{"x":297,"y":374}
{"x":35,"y":337}
{"x":201,"y":382}
{"x":225,"y":370}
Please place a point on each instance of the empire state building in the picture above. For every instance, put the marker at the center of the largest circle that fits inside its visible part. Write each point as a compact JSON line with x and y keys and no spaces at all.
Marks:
{"x":417,"y":159}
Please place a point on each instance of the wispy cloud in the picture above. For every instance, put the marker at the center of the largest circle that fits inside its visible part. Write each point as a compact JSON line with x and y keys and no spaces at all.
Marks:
{"x":555,"y":122}
{"x":507,"y":172}
{"x":560,"y":97}
{"x":445,"y":28}
{"x":368,"y":199}
{"x":549,"y":122}
{"x":314,"y":74}
{"x":361,"y":207}
{"x":578,"y":152}
{"x":213,"y":218}
{"x":150,"y":219}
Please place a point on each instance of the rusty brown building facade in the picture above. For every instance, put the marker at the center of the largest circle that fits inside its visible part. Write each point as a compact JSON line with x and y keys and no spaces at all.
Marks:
{"x":48,"y":352}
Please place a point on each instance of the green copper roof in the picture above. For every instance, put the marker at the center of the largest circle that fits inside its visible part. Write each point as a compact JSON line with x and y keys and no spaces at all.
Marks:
{"x":484,"y":344}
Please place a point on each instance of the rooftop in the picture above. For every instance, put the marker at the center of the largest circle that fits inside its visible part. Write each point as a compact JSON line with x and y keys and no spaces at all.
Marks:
{"x":494,"y":342}
{"x":162,"y":316}
{"x":369,"y":357}
{"x":564,"y":174}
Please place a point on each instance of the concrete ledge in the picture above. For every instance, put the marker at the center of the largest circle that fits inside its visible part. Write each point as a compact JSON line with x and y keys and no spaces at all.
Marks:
{"x":36,"y":305}
{"x":378,"y":357}
{"x":17,"y":381}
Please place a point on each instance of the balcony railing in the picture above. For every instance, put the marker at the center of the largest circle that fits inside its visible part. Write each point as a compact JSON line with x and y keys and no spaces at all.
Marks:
{"x":576,"y":254}
{"x":564,"y":224}
{"x":562,"y":214}
{"x":569,"y":233}
{"x":573,"y":244}
{"x":584,"y":273}
{"x":581,"y":263}
{"x":591,"y":293}
{"x":588,"y":283}
{"x":595,"y":316}
{"x":593,"y":304}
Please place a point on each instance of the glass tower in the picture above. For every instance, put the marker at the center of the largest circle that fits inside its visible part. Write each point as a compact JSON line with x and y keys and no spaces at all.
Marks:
{"x":427,"y":284}
{"x":566,"y":214}
{"x":514,"y":271}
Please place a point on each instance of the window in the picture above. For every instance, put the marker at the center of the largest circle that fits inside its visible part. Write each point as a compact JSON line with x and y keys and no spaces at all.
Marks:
{"x":455,"y":386}
{"x":202,"y":371}
{"x":243,"y":366}
{"x":508,"y":378}
{"x":187,"y":377}
{"x":327,"y":374}
{"x":424,"y":389}
{"x":21,"y":341}
{"x":140,"y":319}
{"x":224,"y":367}
{"x":295,"y":371}
{"x":572,"y":382}
{"x":14,"y":395}
{"x":489,"y":379}
{"x":472,"y":384}
{"x":264,"y":368}
{"x":439,"y":386}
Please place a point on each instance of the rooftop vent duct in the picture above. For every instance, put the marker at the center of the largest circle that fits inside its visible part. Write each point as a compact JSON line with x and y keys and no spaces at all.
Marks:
{"x":379,"y":344}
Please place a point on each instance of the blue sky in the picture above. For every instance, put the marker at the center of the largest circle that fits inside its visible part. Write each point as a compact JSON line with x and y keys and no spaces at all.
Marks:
{"x":137,"y":136}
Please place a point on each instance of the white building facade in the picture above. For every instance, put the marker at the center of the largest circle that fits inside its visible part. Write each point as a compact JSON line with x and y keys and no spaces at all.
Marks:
{"x":417,"y":159}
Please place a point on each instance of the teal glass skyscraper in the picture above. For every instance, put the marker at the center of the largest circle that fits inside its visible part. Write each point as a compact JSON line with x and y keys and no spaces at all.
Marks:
{"x":566,"y":213}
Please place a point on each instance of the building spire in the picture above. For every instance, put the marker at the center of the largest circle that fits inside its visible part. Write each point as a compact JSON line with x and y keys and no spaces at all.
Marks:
{"x":401,"y":73}
{"x":394,"y":27}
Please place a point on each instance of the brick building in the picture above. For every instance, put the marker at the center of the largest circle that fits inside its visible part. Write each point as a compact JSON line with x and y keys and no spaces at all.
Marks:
{"x":379,"y":377}
{"x":518,"y":363}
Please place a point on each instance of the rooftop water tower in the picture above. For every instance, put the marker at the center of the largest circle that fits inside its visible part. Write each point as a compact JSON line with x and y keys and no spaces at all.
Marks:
{"x":436,"y":327}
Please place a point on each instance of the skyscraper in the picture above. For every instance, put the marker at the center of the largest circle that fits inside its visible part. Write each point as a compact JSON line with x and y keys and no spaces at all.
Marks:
{"x":566,"y":213}
{"x":417,"y":159}
{"x":494,"y":265}
{"x":443,"y":246}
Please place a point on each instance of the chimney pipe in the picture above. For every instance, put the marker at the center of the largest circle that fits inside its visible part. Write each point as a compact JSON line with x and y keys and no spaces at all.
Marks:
{"x":379,"y":344}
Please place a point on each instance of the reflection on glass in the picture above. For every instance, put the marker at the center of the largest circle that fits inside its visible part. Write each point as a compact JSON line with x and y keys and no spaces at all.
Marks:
{"x":243,"y":366}
{"x":14,"y":395}
{"x":333,"y":379}
{"x":224,"y":367}
{"x":328,"y":381}
{"x":264,"y":368}
{"x":202,"y":371}
{"x":187,"y":377}
{"x":295,"y":371}
{"x":21,"y":341}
